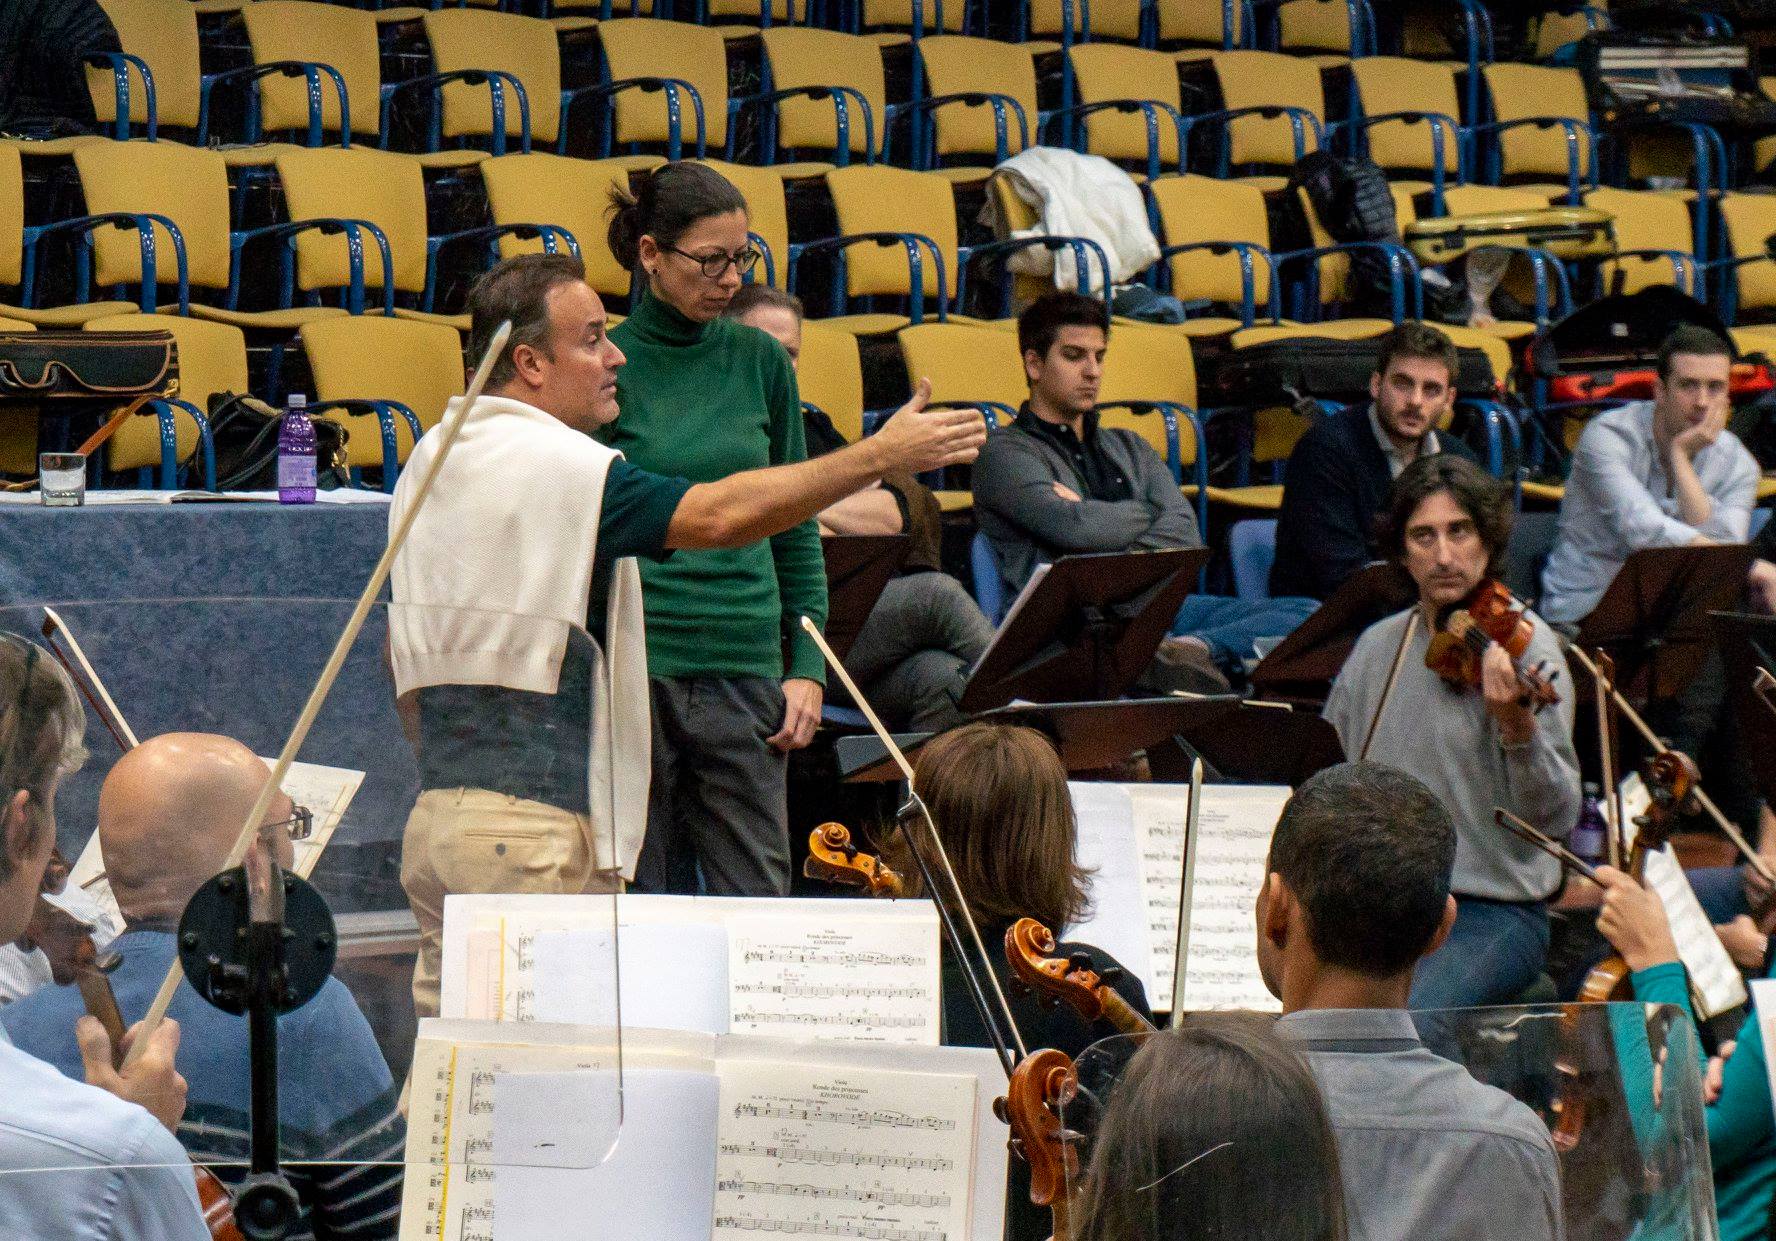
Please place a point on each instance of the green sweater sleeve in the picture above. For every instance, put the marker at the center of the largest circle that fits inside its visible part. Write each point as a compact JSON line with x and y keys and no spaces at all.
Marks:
{"x":801,"y":568}
{"x":1740,"y":1121}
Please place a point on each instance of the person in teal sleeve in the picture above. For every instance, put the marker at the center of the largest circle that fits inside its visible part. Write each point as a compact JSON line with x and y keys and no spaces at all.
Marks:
{"x":1741,"y":1127}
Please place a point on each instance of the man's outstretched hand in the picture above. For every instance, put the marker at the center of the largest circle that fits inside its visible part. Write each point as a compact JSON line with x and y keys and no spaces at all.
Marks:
{"x":918,"y":438}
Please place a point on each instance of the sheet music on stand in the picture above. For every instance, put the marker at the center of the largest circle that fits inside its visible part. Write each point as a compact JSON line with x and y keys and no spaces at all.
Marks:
{"x":799,"y":968}
{"x":1716,"y":985}
{"x":325,"y":791}
{"x":1133,"y":835}
{"x":722,"y":1137}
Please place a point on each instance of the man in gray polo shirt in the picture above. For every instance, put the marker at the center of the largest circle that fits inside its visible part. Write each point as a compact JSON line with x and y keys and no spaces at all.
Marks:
{"x":1357,"y":894}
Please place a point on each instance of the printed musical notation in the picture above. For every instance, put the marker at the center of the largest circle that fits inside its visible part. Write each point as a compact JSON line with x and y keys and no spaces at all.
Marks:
{"x":792,"y":1144}
{"x":888,"y":1197}
{"x":816,"y":1228}
{"x":874,"y":979}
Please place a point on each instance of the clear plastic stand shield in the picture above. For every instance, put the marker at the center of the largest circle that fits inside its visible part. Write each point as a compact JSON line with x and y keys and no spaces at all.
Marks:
{"x":503,"y":787}
{"x":1618,"y":1086}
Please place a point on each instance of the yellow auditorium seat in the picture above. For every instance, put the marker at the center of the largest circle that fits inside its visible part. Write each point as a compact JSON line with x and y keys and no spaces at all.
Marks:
{"x":1654,"y":240}
{"x":744,"y":19}
{"x":571,"y":194}
{"x":967,"y":364}
{"x":830,"y":374}
{"x":1116,"y":20}
{"x":1541,"y":128}
{"x":212,"y":360}
{"x":1319,"y":28}
{"x":801,"y":58}
{"x":891,"y":22}
{"x":381,"y":187}
{"x":1229,"y":216}
{"x":189,"y":186}
{"x":881,"y":199}
{"x":1207,"y":24}
{"x":1750,"y":219}
{"x":1147,"y":367}
{"x":1421,"y":99}
{"x":977,"y":80}
{"x":527,"y":48}
{"x":1119,"y":88}
{"x":12,"y":256}
{"x":362,"y":358}
{"x":1251,"y":80}
{"x":163,"y":33}
{"x":646,"y":48}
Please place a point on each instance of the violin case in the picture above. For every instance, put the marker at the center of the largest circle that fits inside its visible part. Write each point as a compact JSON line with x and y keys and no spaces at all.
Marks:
{"x":1564,"y":232}
{"x":87,"y":366}
{"x":1605,"y":351}
{"x":1281,"y":372}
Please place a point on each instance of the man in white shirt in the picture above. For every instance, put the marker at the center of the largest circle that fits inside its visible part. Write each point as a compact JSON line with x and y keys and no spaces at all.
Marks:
{"x":1658,"y":473}
{"x":83,"y":1162}
{"x":516,"y":634}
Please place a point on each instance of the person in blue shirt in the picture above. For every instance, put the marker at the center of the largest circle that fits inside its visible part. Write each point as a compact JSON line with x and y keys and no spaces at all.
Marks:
{"x":1741,"y":1129}
{"x":169,"y":812}
{"x":80,"y":1160}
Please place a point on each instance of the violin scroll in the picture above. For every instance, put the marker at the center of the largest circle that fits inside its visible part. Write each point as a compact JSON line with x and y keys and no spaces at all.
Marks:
{"x":832,"y":857}
{"x":1041,"y":1086}
{"x":1030,"y":947}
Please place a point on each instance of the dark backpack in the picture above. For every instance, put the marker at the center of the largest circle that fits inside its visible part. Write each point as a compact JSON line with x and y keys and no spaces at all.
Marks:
{"x":1351,"y":199}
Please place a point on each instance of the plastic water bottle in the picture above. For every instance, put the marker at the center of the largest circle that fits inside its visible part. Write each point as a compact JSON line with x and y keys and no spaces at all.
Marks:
{"x":296,"y":454}
{"x":1590,"y":835}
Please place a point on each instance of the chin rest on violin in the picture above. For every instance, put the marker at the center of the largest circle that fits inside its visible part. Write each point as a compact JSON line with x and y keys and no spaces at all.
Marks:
{"x":832,"y":857}
{"x":1489,"y":615}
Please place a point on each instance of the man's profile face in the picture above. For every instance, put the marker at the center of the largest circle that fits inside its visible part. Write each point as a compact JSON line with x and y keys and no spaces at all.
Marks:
{"x":1411,"y":396}
{"x":1068,"y":378}
{"x":1443,"y":551}
{"x":1696,"y":388}
{"x":576,"y":377}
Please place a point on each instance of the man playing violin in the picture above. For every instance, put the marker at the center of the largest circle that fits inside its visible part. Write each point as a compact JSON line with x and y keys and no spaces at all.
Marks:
{"x":85,"y":1162}
{"x":1356,"y":894}
{"x":1476,"y":747}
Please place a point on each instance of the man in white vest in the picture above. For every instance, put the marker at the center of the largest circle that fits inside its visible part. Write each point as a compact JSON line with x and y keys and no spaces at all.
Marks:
{"x":533,"y":739}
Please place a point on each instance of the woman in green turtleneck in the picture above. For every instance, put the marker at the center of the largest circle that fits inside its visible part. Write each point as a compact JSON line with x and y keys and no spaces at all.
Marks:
{"x":703,"y":397}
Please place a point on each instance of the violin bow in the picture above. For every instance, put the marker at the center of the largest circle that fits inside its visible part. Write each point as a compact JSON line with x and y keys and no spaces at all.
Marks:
{"x":1602,"y":686}
{"x":1546,"y":843}
{"x":1387,"y":691}
{"x":448,"y":431}
{"x":914,"y":802}
{"x":55,"y":634}
{"x":1184,"y":876}
{"x":1764,"y":686}
{"x":1653,"y":740}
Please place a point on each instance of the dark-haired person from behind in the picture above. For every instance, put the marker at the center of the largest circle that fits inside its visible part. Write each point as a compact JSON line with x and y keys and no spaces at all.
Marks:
{"x":1336,"y":482}
{"x":1214,"y":1130}
{"x":1476,"y":747}
{"x":999,"y":798}
{"x":1357,"y":895}
{"x":925,"y":633}
{"x":1057,"y":484}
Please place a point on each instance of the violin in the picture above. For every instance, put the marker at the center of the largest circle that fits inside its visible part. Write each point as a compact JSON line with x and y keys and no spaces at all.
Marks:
{"x":1030,"y":947}
{"x":1490,"y":615}
{"x":1671,"y":779}
{"x":1041,"y":1086}
{"x":832,"y":857}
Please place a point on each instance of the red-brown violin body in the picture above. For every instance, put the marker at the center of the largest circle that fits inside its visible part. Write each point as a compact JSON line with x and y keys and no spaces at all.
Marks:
{"x":1489,"y":616}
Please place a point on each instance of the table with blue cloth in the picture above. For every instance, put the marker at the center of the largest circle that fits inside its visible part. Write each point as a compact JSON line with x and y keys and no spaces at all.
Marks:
{"x":217,"y":617}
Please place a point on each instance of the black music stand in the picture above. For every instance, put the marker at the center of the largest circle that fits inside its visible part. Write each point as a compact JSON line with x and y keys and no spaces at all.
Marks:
{"x":1654,"y":618}
{"x":1084,"y":629}
{"x":1250,"y":743}
{"x":1302,"y":666}
{"x":1089,"y":735}
{"x":858,"y":567}
{"x":1748,"y":641}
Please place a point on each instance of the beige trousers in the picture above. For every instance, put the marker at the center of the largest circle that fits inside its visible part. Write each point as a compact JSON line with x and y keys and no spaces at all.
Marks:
{"x":472,"y":840}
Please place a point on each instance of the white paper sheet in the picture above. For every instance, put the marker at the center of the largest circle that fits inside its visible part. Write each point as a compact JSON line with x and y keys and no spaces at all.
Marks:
{"x":843,"y":1152}
{"x":1763,"y":1011}
{"x":779,"y":966}
{"x":659,"y":1182}
{"x":1115,"y":922}
{"x":1715,"y":982}
{"x":836,"y":976}
{"x":1227,"y":873}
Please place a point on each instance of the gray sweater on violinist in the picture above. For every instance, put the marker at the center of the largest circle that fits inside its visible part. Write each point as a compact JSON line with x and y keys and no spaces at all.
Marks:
{"x":1448,"y":740}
